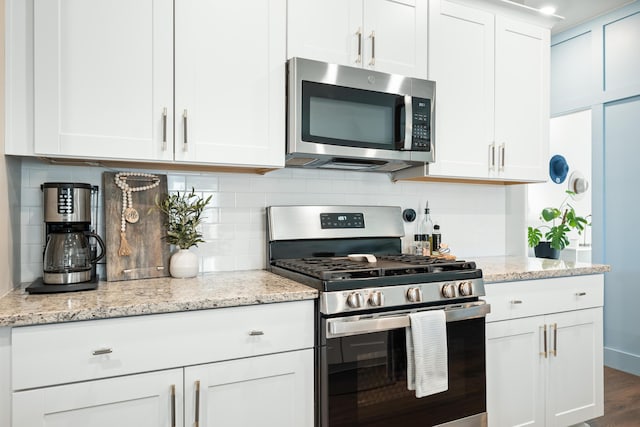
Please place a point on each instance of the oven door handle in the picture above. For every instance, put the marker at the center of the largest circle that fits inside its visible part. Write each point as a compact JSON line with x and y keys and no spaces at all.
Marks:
{"x":338,"y":327}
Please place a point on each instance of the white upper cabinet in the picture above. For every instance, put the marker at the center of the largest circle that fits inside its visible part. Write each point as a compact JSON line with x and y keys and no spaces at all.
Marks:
{"x":382,"y":35}
{"x":461,"y":52}
{"x":104,"y":81}
{"x":230,"y":82}
{"x":103,"y":78}
{"x":491,"y":67}
{"x":522,"y":99}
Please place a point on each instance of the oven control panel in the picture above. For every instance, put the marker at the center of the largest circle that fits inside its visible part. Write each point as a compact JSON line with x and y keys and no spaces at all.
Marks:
{"x":341,"y":220}
{"x":399,"y":296}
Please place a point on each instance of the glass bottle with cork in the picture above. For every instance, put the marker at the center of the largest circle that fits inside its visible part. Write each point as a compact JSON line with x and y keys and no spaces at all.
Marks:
{"x":425,"y":232}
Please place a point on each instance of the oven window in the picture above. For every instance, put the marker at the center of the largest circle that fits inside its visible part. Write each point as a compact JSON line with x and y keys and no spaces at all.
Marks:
{"x":352,"y":117}
{"x":367,"y":380}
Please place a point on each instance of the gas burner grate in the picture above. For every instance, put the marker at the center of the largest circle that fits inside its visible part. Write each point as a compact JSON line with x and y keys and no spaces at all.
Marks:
{"x":387,"y":265}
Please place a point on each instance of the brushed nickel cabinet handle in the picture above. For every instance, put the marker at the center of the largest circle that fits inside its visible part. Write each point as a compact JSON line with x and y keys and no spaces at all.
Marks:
{"x":173,"y":405}
{"x":555,"y":339}
{"x":359,"y":35}
{"x":196,"y":422}
{"x":185,"y":145}
{"x":164,"y":129}
{"x":101,"y":351}
{"x":492,"y":156}
{"x":502,"y":154}
{"x":256,"y":333}
{"x":373,"y":48}
{"x":516,"y":301}
{"x":544,"y":353}
{"x":581,"y":294}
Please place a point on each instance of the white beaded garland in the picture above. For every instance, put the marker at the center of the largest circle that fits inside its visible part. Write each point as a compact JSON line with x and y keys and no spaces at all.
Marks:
{"x":129,"y":214}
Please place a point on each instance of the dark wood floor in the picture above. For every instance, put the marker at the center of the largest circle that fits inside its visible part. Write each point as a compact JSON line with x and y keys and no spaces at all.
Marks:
{"x":621,"y":400}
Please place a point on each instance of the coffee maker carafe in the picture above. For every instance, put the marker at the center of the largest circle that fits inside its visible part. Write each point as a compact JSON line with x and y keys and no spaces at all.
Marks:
{"x":70,"y":253}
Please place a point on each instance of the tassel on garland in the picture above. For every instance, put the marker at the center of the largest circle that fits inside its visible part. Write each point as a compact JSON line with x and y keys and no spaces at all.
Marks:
{"x":125,"y":249}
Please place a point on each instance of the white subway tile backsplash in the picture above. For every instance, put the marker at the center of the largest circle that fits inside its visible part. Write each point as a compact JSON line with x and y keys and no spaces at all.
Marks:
{"x":234,"y":224}
{"x":201,"y":182}
{"x":176,"y":182}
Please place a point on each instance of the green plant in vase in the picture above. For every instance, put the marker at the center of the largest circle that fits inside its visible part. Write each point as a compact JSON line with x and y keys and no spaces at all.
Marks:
{"x":183,"y":217}
{"x":563,"y":220}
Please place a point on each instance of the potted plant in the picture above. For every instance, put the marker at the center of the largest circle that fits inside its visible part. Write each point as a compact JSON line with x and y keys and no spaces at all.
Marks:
{"x":563,"y":219}
{"x":183,"y":216}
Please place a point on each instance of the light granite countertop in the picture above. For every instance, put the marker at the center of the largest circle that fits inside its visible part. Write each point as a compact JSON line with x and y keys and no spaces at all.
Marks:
{"x":508,"y":269}
{"x":150,"y":296}
{"x":227,"y":289}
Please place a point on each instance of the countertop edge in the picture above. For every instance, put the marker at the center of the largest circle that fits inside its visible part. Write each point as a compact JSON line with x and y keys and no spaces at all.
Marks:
{"x":148,"y":309}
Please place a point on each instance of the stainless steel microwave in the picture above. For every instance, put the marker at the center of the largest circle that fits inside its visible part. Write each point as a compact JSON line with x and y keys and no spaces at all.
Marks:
{"x":341,"y":117}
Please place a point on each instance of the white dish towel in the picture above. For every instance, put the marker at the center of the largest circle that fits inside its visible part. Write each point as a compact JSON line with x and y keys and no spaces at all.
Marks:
{"x":427,"y":353}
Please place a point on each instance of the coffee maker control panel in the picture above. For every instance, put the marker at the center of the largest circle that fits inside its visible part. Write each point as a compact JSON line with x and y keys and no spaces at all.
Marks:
{"x":65,"y":200}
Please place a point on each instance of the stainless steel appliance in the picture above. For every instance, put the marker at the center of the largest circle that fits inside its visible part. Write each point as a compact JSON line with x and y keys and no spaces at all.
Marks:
{"x":70,"y":253}
{"x":350,"y":118}
{"x":362,"y":316}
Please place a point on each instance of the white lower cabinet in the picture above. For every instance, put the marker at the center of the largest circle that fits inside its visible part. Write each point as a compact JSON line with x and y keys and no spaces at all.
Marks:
{"x":545,"y":352}
{"x":144,"y":400}
{"x":226,"y":367}
{"x":257,"y":391}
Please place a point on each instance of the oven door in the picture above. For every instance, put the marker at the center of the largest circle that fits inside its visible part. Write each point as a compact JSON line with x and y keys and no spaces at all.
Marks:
{"x":363,"y":372}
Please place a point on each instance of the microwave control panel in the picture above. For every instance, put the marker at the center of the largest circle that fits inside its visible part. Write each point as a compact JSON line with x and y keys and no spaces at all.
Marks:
{"x":421,"y":136}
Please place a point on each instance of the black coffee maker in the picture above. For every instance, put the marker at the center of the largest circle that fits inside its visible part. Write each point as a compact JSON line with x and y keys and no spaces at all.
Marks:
{"x":70,"y":253}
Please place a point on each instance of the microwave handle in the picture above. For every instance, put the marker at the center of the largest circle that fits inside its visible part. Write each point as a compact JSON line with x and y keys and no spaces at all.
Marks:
{"x":408,"y":131}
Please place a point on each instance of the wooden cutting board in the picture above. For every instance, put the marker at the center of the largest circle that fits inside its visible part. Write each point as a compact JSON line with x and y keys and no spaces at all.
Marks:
{"x":149,"y":251}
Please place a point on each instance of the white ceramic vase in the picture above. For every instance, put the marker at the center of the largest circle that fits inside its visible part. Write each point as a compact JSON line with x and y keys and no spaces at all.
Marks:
{"x":183,"y":264}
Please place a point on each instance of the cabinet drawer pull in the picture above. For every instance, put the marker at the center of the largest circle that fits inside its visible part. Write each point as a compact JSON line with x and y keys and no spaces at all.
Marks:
{"x":185,"y":145}
{"x":502,"y":153}
{"x":196,"y":422}
{"x":173,"y":405}
{"x":164,"y":129}
{"x":516,"y":301}
{"x":373,"y":48}
{"x":555,"y":339}
{"x":100,"y":351}
{"x":256,"y":333}
{"x":580,"y":294}
{"x":544,"y":353}
{"x":359,"y":35}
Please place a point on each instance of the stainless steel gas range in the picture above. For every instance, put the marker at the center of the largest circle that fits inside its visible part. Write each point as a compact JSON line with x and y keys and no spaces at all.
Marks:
{"x":369,"y":291}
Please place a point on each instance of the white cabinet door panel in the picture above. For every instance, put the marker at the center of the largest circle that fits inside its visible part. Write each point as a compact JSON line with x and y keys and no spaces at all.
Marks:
{"x":230,"y":80}
{"x":522,"y":99}
{"x":575,"y":384}
{"x":515,"y":373}
{"x":143,"y":400}
{"x":274,"y":390}
{"x":461,"y":50}
{"x":309,"y":36}
{"x":398,"y":32}
{"x":101,"y":92}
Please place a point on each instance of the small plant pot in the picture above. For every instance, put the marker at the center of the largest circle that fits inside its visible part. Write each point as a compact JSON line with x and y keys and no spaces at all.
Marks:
{"x":184,"y":264}
{"x":544,"y":250}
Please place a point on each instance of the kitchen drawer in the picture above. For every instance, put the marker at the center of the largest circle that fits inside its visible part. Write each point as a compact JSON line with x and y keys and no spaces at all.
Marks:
{"x":77,"y":351}
{"x":512,"y":300}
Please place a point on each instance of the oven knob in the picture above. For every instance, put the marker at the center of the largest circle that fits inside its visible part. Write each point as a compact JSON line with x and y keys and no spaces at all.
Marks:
{"x":376,"y":299}
{"x":355,"y":300}
{"x":414,"y":295}
{"x":449,"y":290}
{"x":465,"y":289}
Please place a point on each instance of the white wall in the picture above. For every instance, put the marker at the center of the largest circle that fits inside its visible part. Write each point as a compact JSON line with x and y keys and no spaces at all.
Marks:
{"x":570,"y":136}
{"x":472,"y":217}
